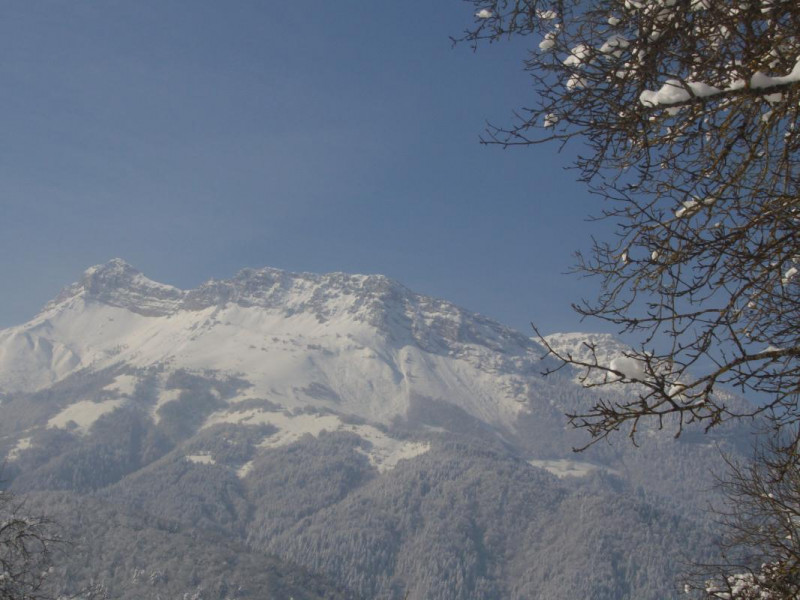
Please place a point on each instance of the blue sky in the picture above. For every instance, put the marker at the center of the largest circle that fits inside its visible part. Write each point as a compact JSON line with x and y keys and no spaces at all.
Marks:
{"x":195,"y":138}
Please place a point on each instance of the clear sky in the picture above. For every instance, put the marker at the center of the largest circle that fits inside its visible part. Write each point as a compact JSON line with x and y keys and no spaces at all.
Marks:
{"x":194,"y":138}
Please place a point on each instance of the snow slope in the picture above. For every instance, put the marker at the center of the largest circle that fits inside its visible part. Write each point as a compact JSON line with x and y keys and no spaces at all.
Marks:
{"x":346,"y":344}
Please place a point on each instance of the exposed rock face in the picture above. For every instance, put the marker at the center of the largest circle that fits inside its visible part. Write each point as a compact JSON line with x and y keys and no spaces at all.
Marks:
{"x":117,"y":283}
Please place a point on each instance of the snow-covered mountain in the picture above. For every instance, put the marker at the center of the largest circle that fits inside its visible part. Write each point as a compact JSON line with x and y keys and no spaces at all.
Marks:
{"x":353,"y":344}
{"x":285,"y":409}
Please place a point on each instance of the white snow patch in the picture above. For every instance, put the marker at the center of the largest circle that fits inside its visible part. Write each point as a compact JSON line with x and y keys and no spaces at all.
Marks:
{"x":688,"y":208}
{"x":242,"y":471}
{"x":577,"y":55}
{"x":551,"y":120}
{"x":201,"y":459}
{"x":548,"y":42}
{"x":124,"y":385}
{"x":631,"y":368}
{"x":21,"y":446}
{"x":676,"y":390}
{"x":563,"y":467}
{"x":384,"y":452}
{"x":145,"y":282}
{"x":675,"y":91}
{"x":83,"y":414}
{"x":614,"y":45}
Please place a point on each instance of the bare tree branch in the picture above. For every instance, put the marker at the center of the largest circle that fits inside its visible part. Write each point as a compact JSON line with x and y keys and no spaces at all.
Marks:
{"x":689,"y":110}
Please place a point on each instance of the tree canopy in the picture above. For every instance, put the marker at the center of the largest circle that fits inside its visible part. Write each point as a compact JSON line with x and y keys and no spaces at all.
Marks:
{"x":687,"y":112}
{"x":761,"y":542}
{"x":25,"y":552}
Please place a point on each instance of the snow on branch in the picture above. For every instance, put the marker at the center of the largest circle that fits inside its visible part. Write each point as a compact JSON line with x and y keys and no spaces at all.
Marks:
{"x":688,"y":112}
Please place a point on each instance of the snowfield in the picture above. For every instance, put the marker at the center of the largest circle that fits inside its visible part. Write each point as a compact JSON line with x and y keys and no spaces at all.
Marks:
{"x":301,"y":340}
{"x":82,"y":415}
{"x":303,"y":354}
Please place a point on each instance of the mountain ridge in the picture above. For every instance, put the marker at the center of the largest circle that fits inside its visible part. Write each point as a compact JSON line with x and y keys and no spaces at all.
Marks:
{"x":386,"y":440}
{"x":326,"y":334}
{"x":112,"y":281}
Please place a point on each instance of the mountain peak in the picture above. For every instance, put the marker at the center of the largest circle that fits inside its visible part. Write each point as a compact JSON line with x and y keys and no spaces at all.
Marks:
{"x":307,"y":339}
{"x":117,"y":283}
{"x":115,"y":266}
{"x":376,"y":300}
